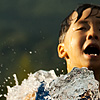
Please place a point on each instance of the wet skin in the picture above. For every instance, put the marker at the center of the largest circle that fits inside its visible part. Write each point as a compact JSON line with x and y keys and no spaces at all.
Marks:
{"x":81,"y":34}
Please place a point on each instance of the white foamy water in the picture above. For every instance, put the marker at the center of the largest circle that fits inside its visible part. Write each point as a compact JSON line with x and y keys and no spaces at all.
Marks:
{"x":16,"y":80}
{"x":30,"y":85}
{"x":0,"y":95}
{"x":71,"y":86}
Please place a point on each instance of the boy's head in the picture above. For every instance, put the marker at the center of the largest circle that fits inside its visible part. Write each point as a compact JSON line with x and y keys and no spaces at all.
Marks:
{"x":79,"y":39}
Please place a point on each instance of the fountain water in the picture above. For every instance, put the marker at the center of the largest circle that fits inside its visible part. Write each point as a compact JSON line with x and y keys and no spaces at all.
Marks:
{"x":79,"y":84}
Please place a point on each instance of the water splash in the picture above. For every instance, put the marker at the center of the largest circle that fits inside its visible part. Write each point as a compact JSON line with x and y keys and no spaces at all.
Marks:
{"x":30,"y":86}
{"x":1,"y":95}
{"x":16,"y":80}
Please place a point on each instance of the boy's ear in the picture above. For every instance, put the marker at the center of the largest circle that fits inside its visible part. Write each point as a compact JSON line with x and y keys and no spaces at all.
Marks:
{"x":61,"y":51}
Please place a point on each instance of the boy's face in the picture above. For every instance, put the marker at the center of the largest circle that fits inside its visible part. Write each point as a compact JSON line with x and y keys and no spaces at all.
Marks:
{"x":82,"y":40}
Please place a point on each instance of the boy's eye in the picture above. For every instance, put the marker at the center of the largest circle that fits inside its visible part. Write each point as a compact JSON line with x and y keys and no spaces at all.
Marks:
{"x":81,"y":28}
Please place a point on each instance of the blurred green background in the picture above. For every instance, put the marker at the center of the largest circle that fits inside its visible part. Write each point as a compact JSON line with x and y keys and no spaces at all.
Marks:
{"x":29,"y":31}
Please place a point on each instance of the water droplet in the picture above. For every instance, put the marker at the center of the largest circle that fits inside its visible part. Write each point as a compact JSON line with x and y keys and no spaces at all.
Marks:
{"x":12,"y":49}
{"x":30,"y":52}
{"x":62,"y":71}
{"x":24,"y":70}
{"x":6,"y":68}
{"x":16,"y":80}
{"x":4,"y":82}
{"x":35,"y":51}
{"x":0,"y":95}
{"x":1,"y":89}
{"x":1,"y":65}
{"x":8,"y":77}
{"x":10,"y":82}
{"x":64,"y":63}
{"x":57,"y":69}
{"x":5,"y":95}
{"x":14,"y":52}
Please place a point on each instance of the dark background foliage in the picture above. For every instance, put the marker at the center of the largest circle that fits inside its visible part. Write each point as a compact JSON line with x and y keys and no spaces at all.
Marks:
{"x":29,"y":31}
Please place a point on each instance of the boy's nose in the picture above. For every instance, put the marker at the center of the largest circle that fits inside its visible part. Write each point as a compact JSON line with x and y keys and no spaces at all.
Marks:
{"x":93,"y":33}
{"x":92,"y":37}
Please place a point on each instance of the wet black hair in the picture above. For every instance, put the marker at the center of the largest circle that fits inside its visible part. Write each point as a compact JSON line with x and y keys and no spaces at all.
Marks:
{"x":67,"y":22}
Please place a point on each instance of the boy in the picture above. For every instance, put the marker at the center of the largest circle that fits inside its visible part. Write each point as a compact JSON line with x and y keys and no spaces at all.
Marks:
{"x":79,"y":40}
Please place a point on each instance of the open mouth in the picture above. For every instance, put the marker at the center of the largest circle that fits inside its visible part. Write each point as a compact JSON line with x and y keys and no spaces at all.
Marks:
{"x":92,"y":50}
